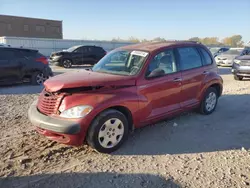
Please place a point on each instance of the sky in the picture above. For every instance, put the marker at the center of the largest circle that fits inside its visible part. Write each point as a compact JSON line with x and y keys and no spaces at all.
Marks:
{"x":170,"y":19}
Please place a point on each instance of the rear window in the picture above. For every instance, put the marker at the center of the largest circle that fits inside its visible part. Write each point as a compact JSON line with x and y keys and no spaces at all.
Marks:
{"x":29,"y":53}
{"x":189,"y":58}
{"x":98,"y":49}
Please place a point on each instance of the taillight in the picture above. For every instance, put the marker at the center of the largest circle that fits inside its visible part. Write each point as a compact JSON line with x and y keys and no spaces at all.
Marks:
{"x":44,"y":60}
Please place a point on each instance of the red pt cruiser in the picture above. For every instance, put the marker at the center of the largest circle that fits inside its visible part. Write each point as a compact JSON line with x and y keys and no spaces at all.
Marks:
{"x":130,"y":87}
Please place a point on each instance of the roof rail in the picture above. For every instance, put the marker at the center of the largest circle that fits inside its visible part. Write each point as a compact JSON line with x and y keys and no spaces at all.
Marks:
{"x":187,"y":41}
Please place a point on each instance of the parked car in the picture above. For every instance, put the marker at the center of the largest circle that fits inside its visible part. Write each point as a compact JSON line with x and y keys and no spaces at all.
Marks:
{"x":4,"y":45}
{"x":218,"y":50}
{"x":227,"y":58}
{"x":77,"y":55}
{"x":130,"y":87}
{"x":19,"y":65}
{"x":241,"y":65}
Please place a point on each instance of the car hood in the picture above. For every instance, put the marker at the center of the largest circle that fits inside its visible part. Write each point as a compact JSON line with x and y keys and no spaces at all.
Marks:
{"x":85,"y":79}
{"x":244,"y":57}
{"x":228,"y":56}
{"x":59,"y":53}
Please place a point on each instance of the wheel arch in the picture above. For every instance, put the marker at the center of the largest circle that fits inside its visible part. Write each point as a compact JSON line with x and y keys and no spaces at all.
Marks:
{"x":124,"y":110}
{"x":218,"y":88}
{"x":127,"y":113}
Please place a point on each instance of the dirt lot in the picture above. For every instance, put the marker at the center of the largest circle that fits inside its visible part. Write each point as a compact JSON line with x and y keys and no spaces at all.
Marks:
{"x":191,"y":150}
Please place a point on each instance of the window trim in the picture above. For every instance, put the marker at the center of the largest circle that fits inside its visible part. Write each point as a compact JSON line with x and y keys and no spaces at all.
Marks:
{"x":176,"y":62}
{"x":195,"y":47}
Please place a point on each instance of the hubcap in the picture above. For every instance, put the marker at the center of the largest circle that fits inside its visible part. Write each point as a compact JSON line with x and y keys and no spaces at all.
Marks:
{"x":66,"y":63}
{"x":111,"y":133}
{"x":40,"y":78}
{"x":211,"y":101}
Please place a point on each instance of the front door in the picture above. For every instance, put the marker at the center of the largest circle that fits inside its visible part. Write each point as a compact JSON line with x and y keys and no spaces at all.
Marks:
{"x":78,"y":55}
{"x":160,"y":96}
{"x":193,"y":74}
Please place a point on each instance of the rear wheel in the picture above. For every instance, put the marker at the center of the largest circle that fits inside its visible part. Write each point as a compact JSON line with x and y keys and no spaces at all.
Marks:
{"x":38,"y":78}
{"x":108,"y":131}
{"x":67,"y":63}
{"x":209,"y":101}
{"x":238,"y":77}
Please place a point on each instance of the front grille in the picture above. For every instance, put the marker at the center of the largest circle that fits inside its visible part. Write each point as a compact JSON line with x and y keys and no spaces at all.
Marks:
{"x":222,"y":58}
{"x":48,"y":103}
{"x":245,"y":63}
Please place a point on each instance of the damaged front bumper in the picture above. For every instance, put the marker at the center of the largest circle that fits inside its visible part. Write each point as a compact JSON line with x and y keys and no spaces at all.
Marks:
{"x":61,"y":130}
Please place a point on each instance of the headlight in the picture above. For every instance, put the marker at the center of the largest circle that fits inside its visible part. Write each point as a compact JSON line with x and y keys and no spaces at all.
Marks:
{"x":237,"y":61}
{"x":76,"y":112}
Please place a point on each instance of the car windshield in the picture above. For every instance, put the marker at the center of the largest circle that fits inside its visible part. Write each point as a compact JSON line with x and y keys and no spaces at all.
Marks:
{"x":121,"y":62}
{"x":71,"y":49}
{"x":233,"y":51}
{"x":214,"y":50}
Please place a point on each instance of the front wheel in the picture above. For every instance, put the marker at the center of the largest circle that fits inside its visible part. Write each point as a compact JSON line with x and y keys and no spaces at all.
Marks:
{"x":209,"y":101}
{"x":108,"y":131}
{"x":67,"y":63}
{"x":238,"y":77}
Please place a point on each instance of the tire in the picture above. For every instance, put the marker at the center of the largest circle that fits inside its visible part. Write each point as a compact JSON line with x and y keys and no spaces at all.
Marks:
{"x":205,"y":108}
{"x":38,"y":78}
{"x":67,"y":63}
{"x":103,"y":130}
{"x":238,"y":77}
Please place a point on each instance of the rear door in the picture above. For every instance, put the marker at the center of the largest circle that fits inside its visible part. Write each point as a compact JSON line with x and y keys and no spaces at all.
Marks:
{"x":193,"y":74}
{"x":10,"y":65}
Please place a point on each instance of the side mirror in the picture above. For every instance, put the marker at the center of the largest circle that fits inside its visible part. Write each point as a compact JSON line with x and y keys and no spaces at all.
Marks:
{"x":156,"y":73}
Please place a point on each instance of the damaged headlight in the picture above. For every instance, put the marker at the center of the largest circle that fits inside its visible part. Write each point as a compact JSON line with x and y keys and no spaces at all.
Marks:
{"x":76,"y":112}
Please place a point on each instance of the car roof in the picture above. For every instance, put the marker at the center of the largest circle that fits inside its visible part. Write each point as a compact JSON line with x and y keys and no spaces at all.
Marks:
{"x":77,"y":46}
{"x":153,"y":46}
{"x":16,"y":48}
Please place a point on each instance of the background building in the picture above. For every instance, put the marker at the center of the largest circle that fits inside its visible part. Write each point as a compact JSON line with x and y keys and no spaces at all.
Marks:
{"x":30,"y":27}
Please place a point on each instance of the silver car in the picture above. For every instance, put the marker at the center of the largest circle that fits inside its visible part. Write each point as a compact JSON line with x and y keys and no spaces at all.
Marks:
{"x":227,"y":58}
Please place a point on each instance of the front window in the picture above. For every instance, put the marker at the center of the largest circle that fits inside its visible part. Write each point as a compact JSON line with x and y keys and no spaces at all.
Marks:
{"x":71,"y":49}
{"x":121,"y":62}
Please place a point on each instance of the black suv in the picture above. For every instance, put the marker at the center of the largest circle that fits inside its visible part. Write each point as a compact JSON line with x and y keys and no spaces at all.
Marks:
{"x":77,"y":55}
{"x":19,"y":65}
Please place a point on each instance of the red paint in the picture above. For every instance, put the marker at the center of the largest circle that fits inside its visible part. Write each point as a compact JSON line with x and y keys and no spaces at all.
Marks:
{"x":148,"y":100}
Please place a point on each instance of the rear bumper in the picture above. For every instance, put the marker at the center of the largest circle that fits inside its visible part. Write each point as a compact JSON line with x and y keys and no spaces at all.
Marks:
{"x":60,"y":130}
{"x":241,"y":70}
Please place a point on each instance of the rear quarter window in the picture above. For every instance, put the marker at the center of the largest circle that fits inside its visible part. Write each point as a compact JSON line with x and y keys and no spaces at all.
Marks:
{"x":207,"y":58}
{"x":98,"y":50}
{"x":29,"y":53}
{"x":189,"y":58}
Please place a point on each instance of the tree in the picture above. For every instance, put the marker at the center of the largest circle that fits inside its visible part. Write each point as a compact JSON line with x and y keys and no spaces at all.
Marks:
{"x":234,"y":41}
{"x":197,"y":39}
{"x":159,"y":39}
{"x":133,"y":39}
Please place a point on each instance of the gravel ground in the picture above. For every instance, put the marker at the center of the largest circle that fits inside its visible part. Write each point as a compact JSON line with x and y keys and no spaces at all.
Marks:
{"x":190,"y":150}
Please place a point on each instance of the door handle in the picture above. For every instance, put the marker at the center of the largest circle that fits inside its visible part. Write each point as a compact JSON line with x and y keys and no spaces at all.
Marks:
{"x":205,"y":72}
{"x":177,"y":80}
